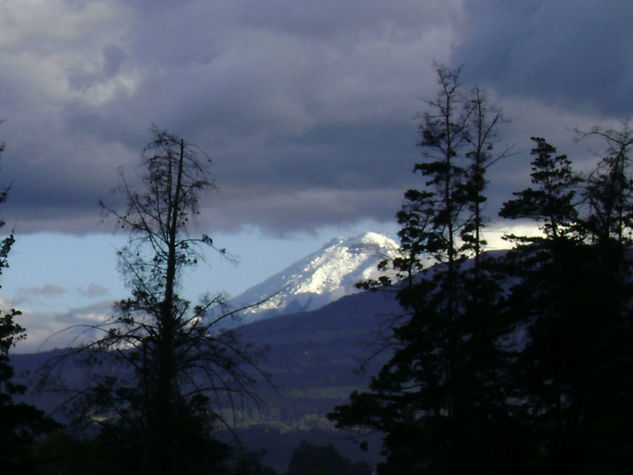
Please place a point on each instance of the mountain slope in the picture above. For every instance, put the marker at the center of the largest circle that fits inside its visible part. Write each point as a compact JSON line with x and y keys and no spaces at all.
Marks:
{"x":312,"y":358}
{"x":318,"y":279}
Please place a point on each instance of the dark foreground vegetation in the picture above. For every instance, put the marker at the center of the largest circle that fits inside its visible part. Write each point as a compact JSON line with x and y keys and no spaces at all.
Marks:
{"x":514,"y":362}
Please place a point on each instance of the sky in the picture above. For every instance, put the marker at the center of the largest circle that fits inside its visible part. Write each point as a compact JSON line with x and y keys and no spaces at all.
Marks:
{"x":309,"y":111}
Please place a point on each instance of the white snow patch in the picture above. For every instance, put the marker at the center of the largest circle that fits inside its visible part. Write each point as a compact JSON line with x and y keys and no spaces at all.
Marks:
{"x":320,"y":278}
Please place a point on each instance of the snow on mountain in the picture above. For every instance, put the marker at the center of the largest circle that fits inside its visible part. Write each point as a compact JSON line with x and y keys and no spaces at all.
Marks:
{"x":318,"y":279}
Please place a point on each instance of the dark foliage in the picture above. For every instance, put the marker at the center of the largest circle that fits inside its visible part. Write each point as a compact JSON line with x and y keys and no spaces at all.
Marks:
{"x":162,"y":366}
{"x":573,"y":299}
{"x":440,"y":399}
{"x":20,"y":424}
{"x":308,"y":459}
{"x":512,"y":365}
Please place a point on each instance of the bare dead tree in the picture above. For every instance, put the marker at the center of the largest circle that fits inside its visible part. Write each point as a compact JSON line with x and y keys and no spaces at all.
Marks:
{"x":163,"y":366}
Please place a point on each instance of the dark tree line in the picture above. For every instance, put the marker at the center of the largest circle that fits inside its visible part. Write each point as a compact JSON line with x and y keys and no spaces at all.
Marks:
{"x":512,"y":364}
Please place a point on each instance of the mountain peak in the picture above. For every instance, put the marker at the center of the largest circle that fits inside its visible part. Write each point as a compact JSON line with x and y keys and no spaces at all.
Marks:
{"x":366,"y":238}
{"x":321,"y":277}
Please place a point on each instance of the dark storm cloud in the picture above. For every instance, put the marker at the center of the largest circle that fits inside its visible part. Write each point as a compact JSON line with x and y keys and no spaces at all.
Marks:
{"x":576,"y":53}
{"x":332,"y":17}
{"x":113,"y":60}
{"x":307,"y":109}
{"x":279,"y":211}
{"x":345,"y":157}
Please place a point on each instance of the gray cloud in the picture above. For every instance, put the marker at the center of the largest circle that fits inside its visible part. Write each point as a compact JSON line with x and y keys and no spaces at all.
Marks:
{"x":307,"y":110}
{"x":93,"y":290}
{"x":575,"y":53}
{"x":51,"y":293}
{"x":26,"y":295}
{"x":46,"y":331}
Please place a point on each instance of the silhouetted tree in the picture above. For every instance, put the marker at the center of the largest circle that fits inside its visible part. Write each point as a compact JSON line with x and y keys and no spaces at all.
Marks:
{"x":161,"y":362}
{"x":604,"y":309}
{"x":439,"y":398}
{"x":539,"y":302}
{"x":572,"y":299}
{"x":552,"y":202}
{"x":483,"y":121}
{"x":609,"y":188}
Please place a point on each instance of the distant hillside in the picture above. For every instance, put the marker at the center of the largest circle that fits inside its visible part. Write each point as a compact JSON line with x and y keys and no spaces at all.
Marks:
{"x":313,"y":358}
{"x":330,"y":341}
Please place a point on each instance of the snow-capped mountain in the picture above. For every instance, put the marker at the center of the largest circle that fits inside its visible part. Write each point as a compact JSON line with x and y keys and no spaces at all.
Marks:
{"x":318,"y":279}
